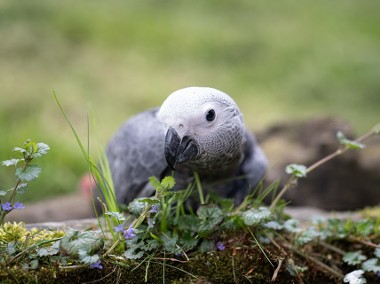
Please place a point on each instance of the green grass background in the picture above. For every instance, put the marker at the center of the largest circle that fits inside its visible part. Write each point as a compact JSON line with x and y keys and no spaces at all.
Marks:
{"x":280,"y":60}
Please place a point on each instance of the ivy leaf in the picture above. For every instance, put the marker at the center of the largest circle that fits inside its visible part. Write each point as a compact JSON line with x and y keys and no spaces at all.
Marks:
{"x":354,"y":258}
{"x":11,"y":248}
{"x":355,"y":277}
{"x":150,"y":245}
{"x":307,"y":236}
{"x":74,"y":241}
{"x":131,"y":253}
{"x":347,"y":142}
{"x":136,"y":207}
{"x":19,"y":149}
{"x":86,"y":258}
{"x":11,"y":162}
{"x":33,"y":264}
{"x":206,"y":246}
{"x":30,"y":173}
{"x":52,"y":250}
{"x":42,"y":252}
{"x":296,"y":170}
{"x":364,"y":228}
{"x":21,"y":188}
{"x":170,"y":244}
{"x":273,"y":225}
{"x":372,"y":264}
{"x":41,"y":150}
{"x":211,"y":218}
{"x":377,"y":253}
{"x":188,"y":242}
{"x":256,"y":216}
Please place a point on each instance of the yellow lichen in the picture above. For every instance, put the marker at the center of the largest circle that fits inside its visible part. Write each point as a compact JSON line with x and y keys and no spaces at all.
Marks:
{"x":16,"y":232}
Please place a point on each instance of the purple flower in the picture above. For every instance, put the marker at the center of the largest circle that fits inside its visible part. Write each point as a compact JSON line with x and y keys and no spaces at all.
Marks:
{"x":18,"y":205}
{"x":6,"y":206}
{"x":96,"y":265}
{"x":151,"y":222}
{"x":220,"y":246}
{"x":129,"y":233}
{"x":119,"y":228}
{"x":154,"y":208}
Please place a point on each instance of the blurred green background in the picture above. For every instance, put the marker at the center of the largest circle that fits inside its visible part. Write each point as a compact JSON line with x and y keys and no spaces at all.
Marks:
{"x":279,"y":60}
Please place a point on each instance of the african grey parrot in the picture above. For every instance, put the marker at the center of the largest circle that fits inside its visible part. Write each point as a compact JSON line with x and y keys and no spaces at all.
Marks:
{"x":196,"y":129}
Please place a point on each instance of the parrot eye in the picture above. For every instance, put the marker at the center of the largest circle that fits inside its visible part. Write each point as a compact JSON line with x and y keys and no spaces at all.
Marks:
{"x":210,"y":116}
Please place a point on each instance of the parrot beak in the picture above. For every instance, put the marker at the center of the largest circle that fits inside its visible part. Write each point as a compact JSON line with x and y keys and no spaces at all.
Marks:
{"x":179,"y":150}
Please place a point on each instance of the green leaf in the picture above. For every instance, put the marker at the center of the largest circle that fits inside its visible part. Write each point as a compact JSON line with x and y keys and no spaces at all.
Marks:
{"x":43,"y":252}
{"x":347,"y":142}
{"x":131,"y":254}
{"x":149,"y":200}
{"x":354,"y":258}
{"x":42,"y":149}
{"x":273,"y":225}
{"x":307,"y":236}
{"x":11,"y":248}
{"x":74,"y":241}
{"x":117,"y":215}
{"x":377,"y":253}
{"x":256,"y":216}
{"x":155,"y":183}
{"x":86,"y":258}
{"x":19,"y":149}
{"x":371,"y":265}
{"x":364,"y":228}
{"x":355,"y":277}
{"x":211,"y":218}
{"x":30,"y":173}
{"x":206,"y":246}
{"x":170,"y":244}
{"x":186,"y":223}
{"x":21,"y":188}
{"x":188,"y":242}
{"x":48,"y":251}
{"x":11,"y":162}
{"x":151,"y":245}
{"x":292,"y":226}
{"x":297,"y":170}
{"x":157,"y":238}
{"x":136,"y":207}
{"x":168,"y":182}
{"x":34,"y":264}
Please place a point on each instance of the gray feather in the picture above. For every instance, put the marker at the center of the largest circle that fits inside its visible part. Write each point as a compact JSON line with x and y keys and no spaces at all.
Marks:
{"x":229,"y":161}
{"x":134,"y":154}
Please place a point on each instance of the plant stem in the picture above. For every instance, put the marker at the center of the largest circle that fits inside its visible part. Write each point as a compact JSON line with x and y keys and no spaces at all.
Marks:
{"x":199,"y":187}
{"x":292,"y":181}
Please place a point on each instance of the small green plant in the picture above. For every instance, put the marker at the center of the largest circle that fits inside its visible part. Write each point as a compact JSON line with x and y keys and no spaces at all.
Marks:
{"x":301,"y":171}
{"x":163,"y":231}
{"x":25,"y":172}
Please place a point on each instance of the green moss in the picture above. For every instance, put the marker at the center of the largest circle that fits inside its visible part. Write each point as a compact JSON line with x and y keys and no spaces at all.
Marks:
{"x":16,"y":232}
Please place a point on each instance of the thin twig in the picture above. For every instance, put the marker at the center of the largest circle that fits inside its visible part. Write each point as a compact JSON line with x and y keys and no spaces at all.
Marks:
{"x":333,"y":248}
{"x":171,"y":259}
{"x":274,"y":277}
{"x":292,"y":181}
{"x":367,"y":243}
